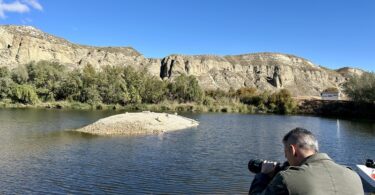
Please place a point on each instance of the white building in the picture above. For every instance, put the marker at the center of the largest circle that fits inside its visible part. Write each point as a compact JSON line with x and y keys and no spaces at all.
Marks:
{"x":330,"y":95}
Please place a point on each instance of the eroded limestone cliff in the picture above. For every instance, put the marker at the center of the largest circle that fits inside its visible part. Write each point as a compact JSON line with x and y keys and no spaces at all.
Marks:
{"x":265,"y":71}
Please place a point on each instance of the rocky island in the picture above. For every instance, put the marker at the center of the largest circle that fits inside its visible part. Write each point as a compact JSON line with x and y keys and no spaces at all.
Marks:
{"x":141,"y":123}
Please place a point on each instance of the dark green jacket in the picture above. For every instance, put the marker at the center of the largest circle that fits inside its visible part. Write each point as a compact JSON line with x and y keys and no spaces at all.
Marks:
{"x":318,"y":174}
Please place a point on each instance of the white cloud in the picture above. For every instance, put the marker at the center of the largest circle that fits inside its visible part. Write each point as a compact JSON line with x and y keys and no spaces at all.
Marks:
{"x":34,"y":3}
{"x":18,"y":7}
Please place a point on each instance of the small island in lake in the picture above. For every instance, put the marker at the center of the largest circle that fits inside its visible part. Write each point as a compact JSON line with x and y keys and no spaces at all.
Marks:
{"x":140,"y":123}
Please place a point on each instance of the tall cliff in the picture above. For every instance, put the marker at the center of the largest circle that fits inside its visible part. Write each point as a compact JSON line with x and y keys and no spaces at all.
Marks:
{"x":23,"y":44}
{"x":265,"y":71}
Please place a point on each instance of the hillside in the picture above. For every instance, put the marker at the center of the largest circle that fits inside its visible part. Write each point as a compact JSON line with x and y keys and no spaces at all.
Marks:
{"x":265,"y":71}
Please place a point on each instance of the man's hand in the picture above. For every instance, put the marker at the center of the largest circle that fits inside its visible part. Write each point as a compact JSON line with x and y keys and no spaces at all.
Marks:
{"x":268,"y":167}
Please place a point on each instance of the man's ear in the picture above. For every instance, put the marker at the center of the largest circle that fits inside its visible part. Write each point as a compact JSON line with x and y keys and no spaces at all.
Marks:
{"x":293,"y":149}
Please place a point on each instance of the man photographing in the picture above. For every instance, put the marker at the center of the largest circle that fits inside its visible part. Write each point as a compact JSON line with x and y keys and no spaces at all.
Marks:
{"x":310,"y":172}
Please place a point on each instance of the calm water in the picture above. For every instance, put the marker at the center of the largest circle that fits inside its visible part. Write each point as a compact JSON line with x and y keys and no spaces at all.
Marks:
{"x":38,"y":155}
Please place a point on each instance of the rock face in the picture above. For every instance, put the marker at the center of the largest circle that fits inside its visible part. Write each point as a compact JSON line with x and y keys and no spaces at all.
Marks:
{"x":349,"y":72}
{"x":23,"y":44}
{"x":265,"y":71}
{"x":142,"y":123}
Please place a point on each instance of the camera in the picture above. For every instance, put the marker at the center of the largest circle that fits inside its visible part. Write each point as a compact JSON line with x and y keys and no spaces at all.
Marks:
{"x":370,"y":163}
{"x":255,"y":166}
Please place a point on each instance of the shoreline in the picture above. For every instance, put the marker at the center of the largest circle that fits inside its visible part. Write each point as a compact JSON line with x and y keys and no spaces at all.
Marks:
{"x":330,"y":109}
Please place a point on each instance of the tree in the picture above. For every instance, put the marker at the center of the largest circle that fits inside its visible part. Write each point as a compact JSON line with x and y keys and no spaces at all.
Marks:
{"x":186,"y":89}
{"x":4,"y":72}
{"x":89,"y":92}
{"x":6,"y":85}
{"x":112,"y":86}
{"x":46,"y":77}
{"x":249,"y":95}
{"x":135,"y":83}
{"x":24,"y":94}
{"x":155,"y":90}
{"x":361,"y":88}
{"x":70,"y":87}
{"x":282,"y":102}
{"x":20,"y":75}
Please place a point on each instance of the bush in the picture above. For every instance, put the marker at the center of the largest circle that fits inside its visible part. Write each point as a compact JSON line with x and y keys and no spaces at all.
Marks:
{"x":282,"y":102}
{"x":46,"y":77}
{"x":6,"y":85}
{"x":155,"y":91}
{"x":20,"y":75}
{"x":70,"y":87}
{"x":361,"y":88}
{"x":4,"y":72}
{"x":24,"y":94}
{"x":186,"y":89}
{"x":112,"y":86}
{"x":218,"y":94}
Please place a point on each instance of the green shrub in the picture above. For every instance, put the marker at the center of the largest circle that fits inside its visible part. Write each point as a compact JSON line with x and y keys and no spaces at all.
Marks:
{"x":6,"y":85}
{"x":46,"y":77}
{"x":361,"y":88}
{"x":24,"y":94}
{"x":282,"y":102}
{"x":4,"y":72}
{"x":20,"y":75}
{"x":186,"y":89}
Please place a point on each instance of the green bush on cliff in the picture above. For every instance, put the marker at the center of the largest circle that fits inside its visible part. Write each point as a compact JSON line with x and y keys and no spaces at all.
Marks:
{"x":361,"y":88}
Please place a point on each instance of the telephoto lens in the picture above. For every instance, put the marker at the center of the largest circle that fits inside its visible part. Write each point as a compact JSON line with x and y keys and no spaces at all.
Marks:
{"x":255,"y":166}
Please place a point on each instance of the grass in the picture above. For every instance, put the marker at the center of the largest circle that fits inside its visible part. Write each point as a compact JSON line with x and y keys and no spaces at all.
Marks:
{"x":165,"y":106}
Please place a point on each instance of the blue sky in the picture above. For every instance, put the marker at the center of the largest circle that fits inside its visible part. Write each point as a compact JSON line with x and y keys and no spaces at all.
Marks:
{"x":331,"y":33}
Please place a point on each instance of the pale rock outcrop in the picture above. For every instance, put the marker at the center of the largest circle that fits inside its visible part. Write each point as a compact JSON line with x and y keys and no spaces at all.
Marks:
{"x":265,"y":71}
{"x":349,"y":72}
{"x":24,"y":44}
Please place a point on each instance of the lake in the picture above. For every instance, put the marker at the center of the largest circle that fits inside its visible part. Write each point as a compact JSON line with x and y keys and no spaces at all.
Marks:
{"x":38,"y":153}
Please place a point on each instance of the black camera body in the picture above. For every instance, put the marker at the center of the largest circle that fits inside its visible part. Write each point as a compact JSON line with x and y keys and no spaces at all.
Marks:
{"x":255,"y":166}
{"x":370,"y":163}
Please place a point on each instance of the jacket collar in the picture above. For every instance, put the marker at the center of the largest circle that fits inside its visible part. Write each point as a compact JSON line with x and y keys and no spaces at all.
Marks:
{"x":316,"y":157}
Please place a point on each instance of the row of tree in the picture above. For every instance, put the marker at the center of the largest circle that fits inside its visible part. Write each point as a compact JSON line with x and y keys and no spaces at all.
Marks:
{"x":46,"y":81}
{"x":278,"y":102}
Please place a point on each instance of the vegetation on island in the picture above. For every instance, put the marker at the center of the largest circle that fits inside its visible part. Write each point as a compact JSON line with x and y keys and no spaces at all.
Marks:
{"x":48,"y":84}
